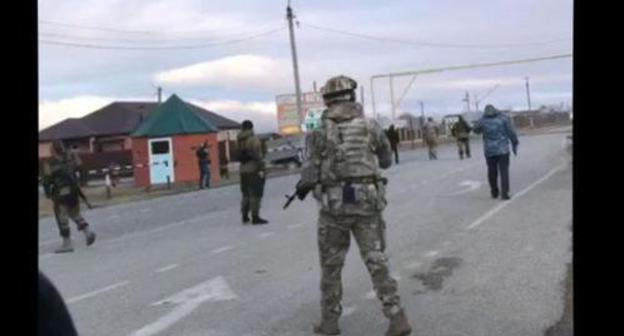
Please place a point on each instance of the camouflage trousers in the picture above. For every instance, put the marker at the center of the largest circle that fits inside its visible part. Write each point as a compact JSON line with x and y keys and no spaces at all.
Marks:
{"x":334,"y":237}
{"x":252,"y":188}
{"x":64,"y":213}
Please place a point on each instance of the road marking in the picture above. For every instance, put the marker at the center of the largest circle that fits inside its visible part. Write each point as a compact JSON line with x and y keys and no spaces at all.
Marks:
{"x":348,"y":310}
{"x":166,"y":268}
{"x":500,"y":206}
{"x":431,"y":254}
{"x":46,"y":256}
{"x":222,"y":249}
{"x":96,"y":292}
{"x":471,"y":186}
{"x":266,"y":234}
{"x":186,"y":302}
{"x":294,"y":226}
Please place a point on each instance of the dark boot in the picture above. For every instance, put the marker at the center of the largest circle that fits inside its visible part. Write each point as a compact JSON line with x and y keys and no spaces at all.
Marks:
{"x":89,"y":236}
{"x":505,"y":197}
{"x":399,"y":325}
{"x":494,"y":193}
{"x":65,"y":247}
{"x":256,"y":220}
{"x":327,"y":326}
{"x":245,"y":218}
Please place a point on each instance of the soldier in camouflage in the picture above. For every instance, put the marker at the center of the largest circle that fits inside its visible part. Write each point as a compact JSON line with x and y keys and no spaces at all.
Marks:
{"x":252,"y":174}
{"x":61,"y":186}
{"x":342,"y":165}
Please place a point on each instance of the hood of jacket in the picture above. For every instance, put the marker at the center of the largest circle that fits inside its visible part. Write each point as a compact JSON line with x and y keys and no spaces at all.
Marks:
{"x":491,"y":112}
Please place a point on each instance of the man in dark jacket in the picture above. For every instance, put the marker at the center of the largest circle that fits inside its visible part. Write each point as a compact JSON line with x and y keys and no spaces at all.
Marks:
{"x":203,"y":159}
{"x":393,"y":137}
{"x":461,"y":132}
{"x":497,"y":133}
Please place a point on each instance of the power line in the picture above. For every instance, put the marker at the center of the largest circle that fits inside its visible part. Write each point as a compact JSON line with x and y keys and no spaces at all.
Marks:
{"x":169,"y":47}
{"x":432,"y":44}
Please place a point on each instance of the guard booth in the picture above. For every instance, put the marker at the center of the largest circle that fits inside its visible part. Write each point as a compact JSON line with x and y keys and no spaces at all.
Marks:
{"x":164,"y":146}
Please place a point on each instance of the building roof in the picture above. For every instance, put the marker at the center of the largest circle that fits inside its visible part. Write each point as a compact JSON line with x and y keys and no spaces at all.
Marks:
{"x":173,"y":117}
{"x":120,"y":118}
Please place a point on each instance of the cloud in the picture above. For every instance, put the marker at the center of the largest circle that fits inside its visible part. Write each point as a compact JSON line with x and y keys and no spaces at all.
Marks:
{"x":262,"y":113}
{"x":235,"y":72}
{"x":52,"y":112}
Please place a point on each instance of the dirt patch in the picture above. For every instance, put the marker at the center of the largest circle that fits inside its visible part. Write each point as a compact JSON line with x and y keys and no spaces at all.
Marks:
{"x":565,"y":326}
{"x":441,"y":269}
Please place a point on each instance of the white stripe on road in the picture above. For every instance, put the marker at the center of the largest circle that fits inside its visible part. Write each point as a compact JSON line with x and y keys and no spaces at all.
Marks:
{"x":266,"y":234}
{"x":186,"y":302}
{"x":222,"y":249}
{"x":503,"y":204}
{"x":96,"y":292}
{"x":166,"y":268}
{"x":431,"y":254}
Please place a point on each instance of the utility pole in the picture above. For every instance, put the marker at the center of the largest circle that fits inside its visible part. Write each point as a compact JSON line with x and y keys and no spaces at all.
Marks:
{"x":373,"y":99}
{"x":314,"y":86}
{"x":290,"y":16}
{"x":159,"y":92}
{"x":362,"y":95}
{"x":422,"y":109}
{"x":529,"y":102}
{"x":467,"y":100}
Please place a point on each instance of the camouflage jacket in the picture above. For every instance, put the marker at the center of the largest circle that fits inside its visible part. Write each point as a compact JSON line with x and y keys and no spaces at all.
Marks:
{"x":249,"y":147}
{"x":347,"y":150}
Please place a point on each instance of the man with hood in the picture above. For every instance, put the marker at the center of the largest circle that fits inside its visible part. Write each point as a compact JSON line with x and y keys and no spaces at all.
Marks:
{"x":393,"y":137}
{"x":342,"y":164}
{"x":61,"y":186}
{"x":497,"y":134}
{"x":461,"y":132}
{"x":252,"y":170}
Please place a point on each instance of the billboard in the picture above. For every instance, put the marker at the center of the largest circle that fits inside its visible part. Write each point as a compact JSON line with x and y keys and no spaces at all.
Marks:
{"x":288,"y":122}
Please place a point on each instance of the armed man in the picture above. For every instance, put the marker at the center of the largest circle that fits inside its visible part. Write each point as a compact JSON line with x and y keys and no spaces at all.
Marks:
{"x":61,"y":186}
{"x":342,"y":165}
{"x":252,"y":174}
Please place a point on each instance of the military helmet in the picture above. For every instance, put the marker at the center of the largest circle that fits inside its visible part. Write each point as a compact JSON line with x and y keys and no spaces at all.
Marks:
{"x":337,"y":85}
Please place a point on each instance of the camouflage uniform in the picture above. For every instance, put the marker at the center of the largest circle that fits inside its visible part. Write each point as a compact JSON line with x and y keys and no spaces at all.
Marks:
{"x":430,"y":131}
{"x":252,"y":170}
{"x":461,"y":132}
{"x":343,"y":160}
{"x":61,"y":187}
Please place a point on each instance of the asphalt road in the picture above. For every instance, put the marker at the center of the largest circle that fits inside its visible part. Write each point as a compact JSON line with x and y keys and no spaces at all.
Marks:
{"x":466,"y":264}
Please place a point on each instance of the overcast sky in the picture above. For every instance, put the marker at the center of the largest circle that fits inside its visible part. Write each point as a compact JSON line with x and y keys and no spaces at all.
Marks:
{"x":247,"y":61}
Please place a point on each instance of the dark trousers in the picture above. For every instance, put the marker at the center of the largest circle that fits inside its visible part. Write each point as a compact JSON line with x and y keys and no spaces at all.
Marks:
{"x":204,"y":177}
{"x":498,"y":164}
{"x":463,"y":146}
{"x":395,"y":149}
{"x":252,"y":189}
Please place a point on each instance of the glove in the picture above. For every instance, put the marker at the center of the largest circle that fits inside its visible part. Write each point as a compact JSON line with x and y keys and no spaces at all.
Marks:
{"x":514,"y":148}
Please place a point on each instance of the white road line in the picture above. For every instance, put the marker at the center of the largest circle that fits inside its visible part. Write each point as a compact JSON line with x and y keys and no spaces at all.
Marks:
{"x":266,"y":234}
{"x":46,"y":256}
{"x":294,"y":226}
{"x":348,"y":310}
{"x":431,"y":254}
{"x":500,"y":206}
{"x":96,"y":292}
{"x":166,"y":268}
{"x":223,"y":249}
{"x":186,"y":302}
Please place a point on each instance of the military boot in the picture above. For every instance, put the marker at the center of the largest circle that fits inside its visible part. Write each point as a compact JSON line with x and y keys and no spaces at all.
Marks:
{"x":245,"y":218}
{"x":399,"y":325}
{"x":65,"y":247}
{"x":89,"y":236}
{"x":327,"y":326}
{"x":256,"y":220}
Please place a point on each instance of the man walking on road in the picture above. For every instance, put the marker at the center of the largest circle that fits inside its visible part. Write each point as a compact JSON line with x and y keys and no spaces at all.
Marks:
{"x":203,"y":159}
{"x":430,"y":132}
{"x":252,"y":170}
{"x":351,"y":193}
{"x":393,"y":137}
{"x":61,"y":186}
{"x":461,"y":132}
{"x":497,"y":133}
